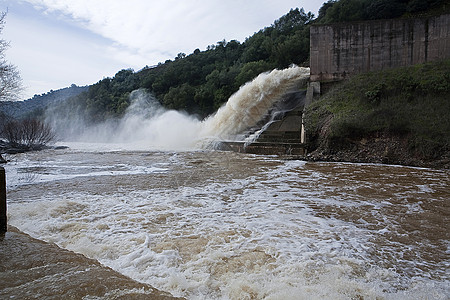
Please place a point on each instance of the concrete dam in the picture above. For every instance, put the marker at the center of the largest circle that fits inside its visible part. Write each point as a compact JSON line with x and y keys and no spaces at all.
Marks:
{"x":278,"y":133}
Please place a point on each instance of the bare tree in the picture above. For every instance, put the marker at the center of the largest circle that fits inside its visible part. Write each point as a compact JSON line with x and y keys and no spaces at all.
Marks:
{"x":30,"y":133}
{"x":10,"y":80}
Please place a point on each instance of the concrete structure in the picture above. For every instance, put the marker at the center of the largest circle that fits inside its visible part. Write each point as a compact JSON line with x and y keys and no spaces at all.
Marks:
{"x":282,"y":135}
{"x":340,"y":50}
{"x":264,"y":148}
{"x":312,"y":91}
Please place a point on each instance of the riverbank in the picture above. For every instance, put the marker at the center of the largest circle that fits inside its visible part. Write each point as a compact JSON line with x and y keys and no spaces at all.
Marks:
{"x":398,"y":116}
{"x":8,"y":148}
{"x":380,"y":150}
{"x":33,"y":269}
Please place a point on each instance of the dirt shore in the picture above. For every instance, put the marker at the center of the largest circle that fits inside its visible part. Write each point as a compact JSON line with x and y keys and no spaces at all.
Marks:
{"x":33,"y":269}
{"x":382,"y":150}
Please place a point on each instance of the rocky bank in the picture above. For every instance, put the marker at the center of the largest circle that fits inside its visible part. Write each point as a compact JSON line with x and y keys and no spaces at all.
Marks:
{"x":382,"y":149}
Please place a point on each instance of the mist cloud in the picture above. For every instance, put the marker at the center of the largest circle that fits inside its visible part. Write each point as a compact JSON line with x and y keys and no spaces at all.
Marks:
{"x":148,"y":125}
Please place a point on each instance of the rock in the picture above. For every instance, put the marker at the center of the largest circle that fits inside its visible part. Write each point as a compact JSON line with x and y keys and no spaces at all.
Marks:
{"x":60,"y":147}
{"x":14,"y":150}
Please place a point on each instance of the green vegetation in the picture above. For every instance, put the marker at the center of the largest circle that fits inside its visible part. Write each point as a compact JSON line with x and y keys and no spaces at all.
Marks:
{"x":410,"y":103}
{"x":335,"y":11}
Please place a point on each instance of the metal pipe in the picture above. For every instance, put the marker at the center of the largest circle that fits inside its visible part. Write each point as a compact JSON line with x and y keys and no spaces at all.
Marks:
{"x":3,"y":220}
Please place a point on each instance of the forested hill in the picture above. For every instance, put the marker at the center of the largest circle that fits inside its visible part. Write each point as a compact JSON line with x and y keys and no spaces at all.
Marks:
{"x":202,"y":81}
{"x":340,"y":11}
{"x":36,"y":105}
{"x":199,"y":83}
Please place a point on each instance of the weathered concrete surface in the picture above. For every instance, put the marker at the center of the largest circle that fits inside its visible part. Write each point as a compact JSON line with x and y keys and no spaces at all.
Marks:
{"x":33,"y":269}
{"x":262,"y":148}
{"x":340,"y":50}
{"x":285,"y":130}
{"x":282,"y":135}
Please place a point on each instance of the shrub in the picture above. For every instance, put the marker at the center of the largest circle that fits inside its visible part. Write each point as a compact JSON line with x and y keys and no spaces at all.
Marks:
{"x":31,"y":133}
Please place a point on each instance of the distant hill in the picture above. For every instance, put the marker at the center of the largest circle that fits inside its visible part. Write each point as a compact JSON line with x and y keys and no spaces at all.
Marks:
{"x":200,"y":82}
{"x":35,"y":105}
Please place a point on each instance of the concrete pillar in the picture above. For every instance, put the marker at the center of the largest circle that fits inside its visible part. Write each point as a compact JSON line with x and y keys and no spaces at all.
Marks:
{"x":302,"y":134}
{"x":3,"y":221}
{"x":312,"y":90}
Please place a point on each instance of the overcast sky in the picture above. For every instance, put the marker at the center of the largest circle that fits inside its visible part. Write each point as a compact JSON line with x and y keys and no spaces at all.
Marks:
{"x":56,"y":43}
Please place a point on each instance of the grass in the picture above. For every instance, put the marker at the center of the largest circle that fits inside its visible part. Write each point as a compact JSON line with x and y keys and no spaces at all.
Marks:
{"x":411,"y":102}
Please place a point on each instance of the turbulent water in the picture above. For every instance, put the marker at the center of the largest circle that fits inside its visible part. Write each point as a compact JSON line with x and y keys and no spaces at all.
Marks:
{"x":252,"y":102}
{"x":222,"y":225}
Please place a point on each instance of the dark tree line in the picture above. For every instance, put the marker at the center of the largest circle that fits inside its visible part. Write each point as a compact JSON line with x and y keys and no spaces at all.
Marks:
{"x":28,"y":133}
{"x":335,"y":11}
{"x":199,"y":83}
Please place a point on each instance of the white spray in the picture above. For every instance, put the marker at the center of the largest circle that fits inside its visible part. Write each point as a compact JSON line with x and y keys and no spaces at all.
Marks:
{"x":147,"y":125}
{"x":252,"y":102}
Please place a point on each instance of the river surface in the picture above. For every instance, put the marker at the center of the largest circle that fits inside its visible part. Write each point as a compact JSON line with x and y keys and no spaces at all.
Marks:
{"x":223,"y":225}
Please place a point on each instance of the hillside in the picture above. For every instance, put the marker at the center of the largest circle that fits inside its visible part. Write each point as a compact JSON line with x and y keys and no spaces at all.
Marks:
{"x":37,"y":104}
{"x":398,"y":116}
{"x":199,"y":83}
{"x":340,"y":11}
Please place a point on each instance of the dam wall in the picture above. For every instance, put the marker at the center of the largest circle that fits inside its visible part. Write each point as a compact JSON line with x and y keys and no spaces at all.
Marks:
{"x":341,"y":50}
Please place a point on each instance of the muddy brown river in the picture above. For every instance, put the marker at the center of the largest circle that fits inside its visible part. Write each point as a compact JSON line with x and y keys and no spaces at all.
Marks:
{"x":223,"y":225}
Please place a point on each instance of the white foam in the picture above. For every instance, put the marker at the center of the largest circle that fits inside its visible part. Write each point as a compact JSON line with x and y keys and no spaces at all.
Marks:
{"x":258,"y":236}
{"x":23,"y":171}
{"x":252,"y":102}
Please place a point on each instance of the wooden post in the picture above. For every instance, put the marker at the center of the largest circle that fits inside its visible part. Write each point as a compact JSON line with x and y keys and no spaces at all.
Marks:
{"x":3,"y":221}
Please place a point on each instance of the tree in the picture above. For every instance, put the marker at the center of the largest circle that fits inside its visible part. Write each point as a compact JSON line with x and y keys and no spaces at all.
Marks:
{"x":323,"y":10}
{"x":30,"y":133}
{"x":250,"y":70}
{"x":294,"y":19}
{"x":10,"y":81}
{"x":346,"y":10}
{"x":386,"y":9}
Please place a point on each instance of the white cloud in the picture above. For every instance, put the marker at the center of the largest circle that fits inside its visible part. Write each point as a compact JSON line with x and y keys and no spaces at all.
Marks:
{"x":50,"y":57}
{"x":172,"y":25}
{"x":64,"y":41}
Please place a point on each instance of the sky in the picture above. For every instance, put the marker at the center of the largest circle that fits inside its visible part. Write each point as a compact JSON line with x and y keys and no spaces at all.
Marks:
{"x":57,"y":43}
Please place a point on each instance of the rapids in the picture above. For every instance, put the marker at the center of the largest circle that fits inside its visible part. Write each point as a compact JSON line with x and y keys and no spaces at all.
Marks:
{"x":223,"y":225}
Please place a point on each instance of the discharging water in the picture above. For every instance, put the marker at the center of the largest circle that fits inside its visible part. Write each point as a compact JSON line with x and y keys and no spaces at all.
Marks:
{"x":222,"y":225}
{"x":146,"y":122}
